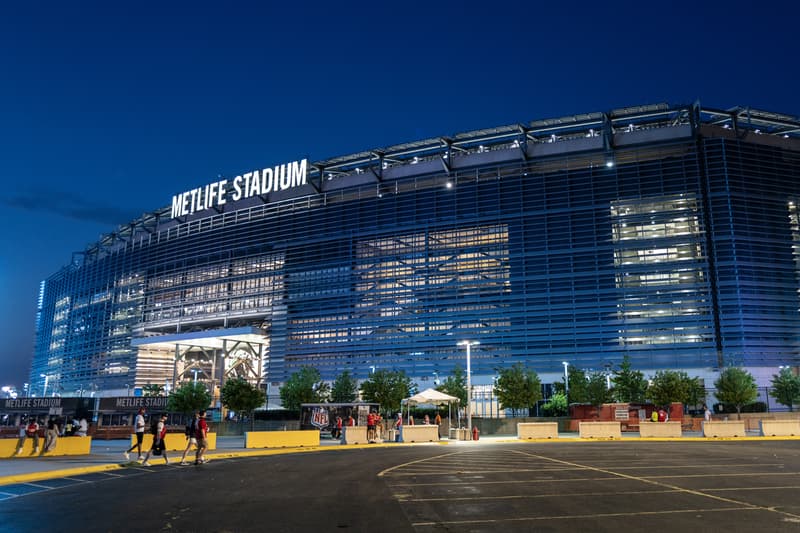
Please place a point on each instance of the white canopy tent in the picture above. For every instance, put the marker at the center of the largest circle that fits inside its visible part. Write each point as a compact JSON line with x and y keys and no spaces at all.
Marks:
{"x":430,"y":397}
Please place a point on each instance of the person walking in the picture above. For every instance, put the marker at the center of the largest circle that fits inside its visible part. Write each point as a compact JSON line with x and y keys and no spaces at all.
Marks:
{"x":191,"y":436}
{"x":159,"y":446}
{"x":202,"y":438}
{"x":138,"y":429}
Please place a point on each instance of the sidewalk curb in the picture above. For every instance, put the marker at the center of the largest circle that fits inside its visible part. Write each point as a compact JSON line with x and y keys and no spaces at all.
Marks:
{"x":56,"y":474}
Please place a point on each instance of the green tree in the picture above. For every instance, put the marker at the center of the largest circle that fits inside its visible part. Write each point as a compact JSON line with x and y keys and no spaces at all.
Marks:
{"x":455,"y":385}
{"x":672,"y":386}
{"x":517,"y":388}
{"x":786,"y":388}
{"x":576,"y":391}
{"x":737,"y":387}
{"x":388,"y":388}
{"x":697,"y":392}
{"x":152,"y":389}
{"x":630,"y":386}
{"x":240,"y":396}
{"x":304,"y":386}
{"x":345,"y":388}
{"x":556,"y":406}
{"x":188,"y":398}
{"x":597,"y":391}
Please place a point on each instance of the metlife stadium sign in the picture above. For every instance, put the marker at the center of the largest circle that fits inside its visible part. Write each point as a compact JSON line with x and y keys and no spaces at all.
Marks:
{"x":247,"y":185}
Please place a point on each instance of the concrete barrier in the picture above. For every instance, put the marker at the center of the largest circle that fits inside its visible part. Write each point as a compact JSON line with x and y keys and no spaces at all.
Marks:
{"x":174,"y":441}
{"x":659,"y":429}
{"x":537,"y":430}
{"x":354,"y":435}
{"x":64,"y":446}
{"x":281,"y":439}
{"x":779,"y":428}
{"x":460,"y":434}
{"x":420,"y":433}
{"x":720,"y":428}
{"x":600,"y":430}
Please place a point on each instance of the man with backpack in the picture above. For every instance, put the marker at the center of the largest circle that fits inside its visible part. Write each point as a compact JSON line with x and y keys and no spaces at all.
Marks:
{"x":191,"y":436}
{"x":158,"y":428}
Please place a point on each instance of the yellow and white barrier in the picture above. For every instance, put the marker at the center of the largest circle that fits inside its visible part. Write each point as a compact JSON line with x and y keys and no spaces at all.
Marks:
{"x":174,"y":441}
{"x":281,"y":439}
{"x":64,"y":446}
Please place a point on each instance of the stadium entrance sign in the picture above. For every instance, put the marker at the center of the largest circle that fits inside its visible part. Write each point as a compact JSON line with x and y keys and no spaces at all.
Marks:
{"x":255,"y":183}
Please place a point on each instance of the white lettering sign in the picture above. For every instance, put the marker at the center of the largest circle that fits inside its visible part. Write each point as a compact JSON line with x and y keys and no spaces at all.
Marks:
{"x":249,"y":184}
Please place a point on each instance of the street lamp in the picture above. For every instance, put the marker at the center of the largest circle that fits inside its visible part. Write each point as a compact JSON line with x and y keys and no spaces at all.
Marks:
{"x":195,"y":371}
{"x":44,"y":391}
{"x":469,"y":345}
{"x":566,"y":378}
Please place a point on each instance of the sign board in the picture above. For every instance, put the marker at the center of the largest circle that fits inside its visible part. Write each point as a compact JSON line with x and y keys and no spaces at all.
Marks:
{"x":134,"y":403}
{"x":621,"y":413}
{"x":257,"y":182}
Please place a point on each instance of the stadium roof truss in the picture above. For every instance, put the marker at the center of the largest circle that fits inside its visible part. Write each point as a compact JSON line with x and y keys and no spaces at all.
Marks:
{"x":602,"y":130}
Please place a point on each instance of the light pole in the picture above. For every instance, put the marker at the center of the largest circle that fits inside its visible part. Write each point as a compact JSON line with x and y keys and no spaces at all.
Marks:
{"x":469,"y":345}
{"x":195,"y":371}
{"x":566,"y":378}
{"x":44,"y":391}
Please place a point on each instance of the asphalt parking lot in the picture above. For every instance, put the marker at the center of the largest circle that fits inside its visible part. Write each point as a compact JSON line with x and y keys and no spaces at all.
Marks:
{"x":604,"y":486}
{"x":615,"y":486}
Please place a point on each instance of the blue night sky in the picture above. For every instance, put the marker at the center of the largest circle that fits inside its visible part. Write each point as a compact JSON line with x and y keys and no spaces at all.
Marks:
{"x":107,"y":109}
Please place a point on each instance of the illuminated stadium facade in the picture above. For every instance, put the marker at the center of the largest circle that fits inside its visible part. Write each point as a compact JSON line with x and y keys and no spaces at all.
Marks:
{"x":670,"y":234}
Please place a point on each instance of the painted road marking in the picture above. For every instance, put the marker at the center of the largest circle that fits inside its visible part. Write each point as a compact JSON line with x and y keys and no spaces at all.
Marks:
{"x":666,"y":485}
{"x":463,"y":465}
{"x":578,"y":516}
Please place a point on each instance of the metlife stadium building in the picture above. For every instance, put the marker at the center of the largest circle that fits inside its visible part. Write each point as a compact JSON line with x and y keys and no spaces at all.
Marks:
{"x":670,"y":234}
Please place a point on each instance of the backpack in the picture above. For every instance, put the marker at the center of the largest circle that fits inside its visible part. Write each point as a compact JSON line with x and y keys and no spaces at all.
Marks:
{"x":154,"y":426}
{"x":33,"y":427}
{"x":191,"y":428}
